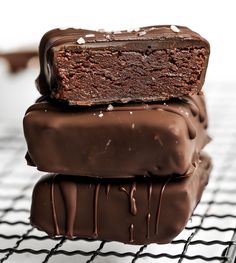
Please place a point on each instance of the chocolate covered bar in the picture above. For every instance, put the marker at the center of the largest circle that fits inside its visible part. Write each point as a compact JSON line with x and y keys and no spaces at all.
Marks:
{"x":136,"y":210}
{"x":117,"y":141}
{"x":155,"y":63}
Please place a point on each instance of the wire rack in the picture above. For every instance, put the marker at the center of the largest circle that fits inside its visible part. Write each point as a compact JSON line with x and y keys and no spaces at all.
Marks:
{"x":210,"y":235}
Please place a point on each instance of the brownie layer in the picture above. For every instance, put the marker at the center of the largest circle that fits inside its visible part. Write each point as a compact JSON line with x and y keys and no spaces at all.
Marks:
{"x":136,"y":211}
{"x":148,"y":64}
{"x":117,"y":141}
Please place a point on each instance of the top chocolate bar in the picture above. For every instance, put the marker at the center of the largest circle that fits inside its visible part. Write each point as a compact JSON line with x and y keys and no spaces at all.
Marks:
{"x":84,"y":67}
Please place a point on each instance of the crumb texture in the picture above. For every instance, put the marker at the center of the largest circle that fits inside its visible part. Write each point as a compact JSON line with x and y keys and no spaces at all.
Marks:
{"x":101,"y":76}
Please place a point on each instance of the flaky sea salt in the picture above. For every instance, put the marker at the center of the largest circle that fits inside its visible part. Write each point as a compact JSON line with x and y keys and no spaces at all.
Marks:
{"x":81,"y":41}
{"x":100,"y":115}
{"x":174,"y":28}
{"x":117,"y":32}
{"x":89,"y":35}
{"x":108,"y":37}
{"x":142,"y":33}
{"x":110,"y":107}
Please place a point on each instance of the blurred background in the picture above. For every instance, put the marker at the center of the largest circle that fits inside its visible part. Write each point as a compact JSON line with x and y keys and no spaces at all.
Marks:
{"x":22,"y":24}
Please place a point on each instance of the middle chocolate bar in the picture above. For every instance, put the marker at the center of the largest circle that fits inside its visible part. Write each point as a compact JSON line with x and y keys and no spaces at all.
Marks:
{"x":117,"y":141}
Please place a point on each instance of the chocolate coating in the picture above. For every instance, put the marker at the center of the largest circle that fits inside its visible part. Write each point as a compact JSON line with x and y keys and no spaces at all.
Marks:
{"x":155,"y":63}
{"x":135,"y":211}
{"x":118,"y":141}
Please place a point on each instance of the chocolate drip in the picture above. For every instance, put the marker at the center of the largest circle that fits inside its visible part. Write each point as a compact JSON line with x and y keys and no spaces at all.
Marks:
{"x":195,"y":108}
{"x":203,"y":111}
{"x":131,"y":232}
{"x":69,"y":193}
{"x":57,"y":231}
{"x":148,"y":225}
{"x":108,"y":187}
{"x":133,"y":206}
{"x":149,"y":195}
{"x":97,"y":188}
{"x":148,"y":214}
{"x":159,"y":203}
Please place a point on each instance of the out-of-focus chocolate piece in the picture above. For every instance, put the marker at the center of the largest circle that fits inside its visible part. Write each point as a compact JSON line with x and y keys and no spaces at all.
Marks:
{"x":87,"y":67}
{"x":117,"y":141}
{"x":19,"y":60}
{"x":136,"y":211}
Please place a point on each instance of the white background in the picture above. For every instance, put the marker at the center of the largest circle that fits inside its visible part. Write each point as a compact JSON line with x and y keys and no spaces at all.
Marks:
{"x":24,"y":22}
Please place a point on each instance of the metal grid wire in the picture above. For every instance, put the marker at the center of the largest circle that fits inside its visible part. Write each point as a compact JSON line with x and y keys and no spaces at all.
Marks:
{"x":210,"y":235}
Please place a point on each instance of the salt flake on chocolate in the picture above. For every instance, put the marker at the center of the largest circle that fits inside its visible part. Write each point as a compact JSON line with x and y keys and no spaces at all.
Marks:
{"x":81,"y":41}
{"x":89,"y":35}
{"x":174,"y":28}
{"x":100,"y":115}
{"x":108,"y":37}
{"x":142,"y":33}
{"x":110,"y":107}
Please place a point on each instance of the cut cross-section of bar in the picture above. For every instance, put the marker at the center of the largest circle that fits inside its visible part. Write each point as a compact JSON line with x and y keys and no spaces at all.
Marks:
{"x":155,"y":63}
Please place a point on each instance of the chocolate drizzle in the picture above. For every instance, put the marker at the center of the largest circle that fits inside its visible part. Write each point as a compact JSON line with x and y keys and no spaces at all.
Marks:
{"x":131,"y":232}
{"x":69,"y":193}
{"x":133,"y":206}
{"x":54,"y":214}
{"x":97,"y":188}
{"x":117,"y":223}
{"x":159,"y":204}
{"x":108,"y":187}
{"x":148,"y":217}
{"x":149,"y":195}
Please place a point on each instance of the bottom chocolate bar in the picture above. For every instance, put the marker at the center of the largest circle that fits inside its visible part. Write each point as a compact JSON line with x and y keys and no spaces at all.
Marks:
{"x":135,"y":210}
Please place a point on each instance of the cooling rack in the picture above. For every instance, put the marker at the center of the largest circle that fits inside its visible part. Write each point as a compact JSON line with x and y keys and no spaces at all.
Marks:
{"x":210,"y":235}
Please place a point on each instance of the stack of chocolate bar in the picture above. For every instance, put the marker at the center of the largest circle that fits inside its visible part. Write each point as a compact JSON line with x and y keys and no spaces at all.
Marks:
{"x":120,"y":128}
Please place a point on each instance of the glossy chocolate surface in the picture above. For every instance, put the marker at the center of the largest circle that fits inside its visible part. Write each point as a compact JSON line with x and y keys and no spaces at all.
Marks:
{"x":135,"y":211}
{"x":129,"y":140}
{"x":85,"y":67}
